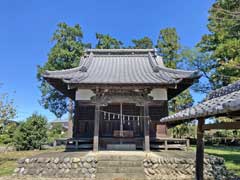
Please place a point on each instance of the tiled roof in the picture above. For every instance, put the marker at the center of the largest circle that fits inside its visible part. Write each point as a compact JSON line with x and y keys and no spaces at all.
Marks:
{"x":224,"y":90}
{"x":219,"y":102}
{"x":121,"y":66}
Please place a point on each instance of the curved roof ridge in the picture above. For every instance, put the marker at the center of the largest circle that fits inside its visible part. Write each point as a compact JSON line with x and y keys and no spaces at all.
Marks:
{"x":161,"y":67}
{"x":224,"y":90}
{"x":120,"y":55}
{"x":60,"y":72}
{"x":84,"y":64}
{"x":87,"y":62}
{"x":170,"y":70}
{"x":153,"y":62}
{"x":119,"y":50}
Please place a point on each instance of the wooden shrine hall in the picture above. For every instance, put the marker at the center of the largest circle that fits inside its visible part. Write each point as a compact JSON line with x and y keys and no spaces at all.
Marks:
{"x":120,"y":95}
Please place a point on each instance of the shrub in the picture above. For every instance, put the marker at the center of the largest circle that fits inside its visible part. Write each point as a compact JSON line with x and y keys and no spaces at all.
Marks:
{"x":32,"y":133}
{"x":7,"y":133}
{"x":55,"y":132}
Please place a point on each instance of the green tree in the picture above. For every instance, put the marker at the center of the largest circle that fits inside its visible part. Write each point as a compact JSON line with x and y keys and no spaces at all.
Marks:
{"x":7,"y":133}
{"x":55,"y":132}
{"x":7,"y":112}
{"x":65,"y":54}
{"x":194,"y":59}
{"x":32,"y":133}
{"x":223,"y":42}
{"x":105,"y":41}
{"x":143,"y":43}
{"x":182,"y":101}
{"x":7,"y":108}
{"x":168,"y":45}
{"x":184,"y":130}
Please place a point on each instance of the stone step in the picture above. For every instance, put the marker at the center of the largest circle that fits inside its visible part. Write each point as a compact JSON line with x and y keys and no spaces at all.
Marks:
{"x":120,"y":170}
{"x":120,"y":163}
{"x":120,"y":158}
{"x":120,"y":176}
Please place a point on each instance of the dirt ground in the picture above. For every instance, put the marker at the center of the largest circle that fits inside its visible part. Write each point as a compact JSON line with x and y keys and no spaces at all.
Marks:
{"x":35,"y":178}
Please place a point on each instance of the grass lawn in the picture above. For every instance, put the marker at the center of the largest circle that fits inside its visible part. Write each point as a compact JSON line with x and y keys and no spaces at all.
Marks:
{"x":8,"y":160}
{"x":231,"y":156}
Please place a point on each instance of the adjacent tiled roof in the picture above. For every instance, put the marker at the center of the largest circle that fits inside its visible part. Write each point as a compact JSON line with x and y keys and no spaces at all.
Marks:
{"x":121,"y":66}
{"x":219,"y":102}
{"x":224,"y":90}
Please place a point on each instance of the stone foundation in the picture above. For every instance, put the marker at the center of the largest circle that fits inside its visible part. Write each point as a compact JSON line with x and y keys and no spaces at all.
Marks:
{"x":175,"y":166}
{"x":58,"y":167}
{"x":182,"y":168}
{"x":7,"y":149}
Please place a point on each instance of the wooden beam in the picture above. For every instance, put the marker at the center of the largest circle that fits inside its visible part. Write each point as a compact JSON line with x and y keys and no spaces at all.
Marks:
{"x":200,"y":150}
{"x":224,"y":125}
{"x":96,"y":128}
{"x":146,"y":128}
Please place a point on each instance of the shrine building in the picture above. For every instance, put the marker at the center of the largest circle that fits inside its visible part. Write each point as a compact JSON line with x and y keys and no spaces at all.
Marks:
{"x":120,"y":96}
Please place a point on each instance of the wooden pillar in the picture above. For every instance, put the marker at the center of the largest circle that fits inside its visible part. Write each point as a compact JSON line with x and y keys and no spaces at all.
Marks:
{"x":96,"y":123}
{"x":121,"y":121}
{"x":187,"y":144}
{"x":55,"y":143}
{"x":166,"y":145}
{"x":96,"y":127}
{"x":76,"y":144}
{"x":75,"y":121}
{"x":200,"y":150}
{"x":70,"y":119}
{"x":146,"y":128}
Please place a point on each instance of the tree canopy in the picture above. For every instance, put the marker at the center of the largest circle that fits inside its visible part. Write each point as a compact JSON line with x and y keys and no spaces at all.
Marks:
{"x":7,"y":133}
{"x":168,"y":45}
{"x":223,"y":41}
{"x":65,"y":54}
{"x":105,"y":41}
{"x":56,"y":130}
{"x":32,"y":133}
{"x":7,"y":108}
{"x":195,"y":60}
{"x":143,"y":43}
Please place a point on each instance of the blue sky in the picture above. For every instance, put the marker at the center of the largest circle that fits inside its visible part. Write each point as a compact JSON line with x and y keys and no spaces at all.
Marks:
{"x":27,"y":27}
